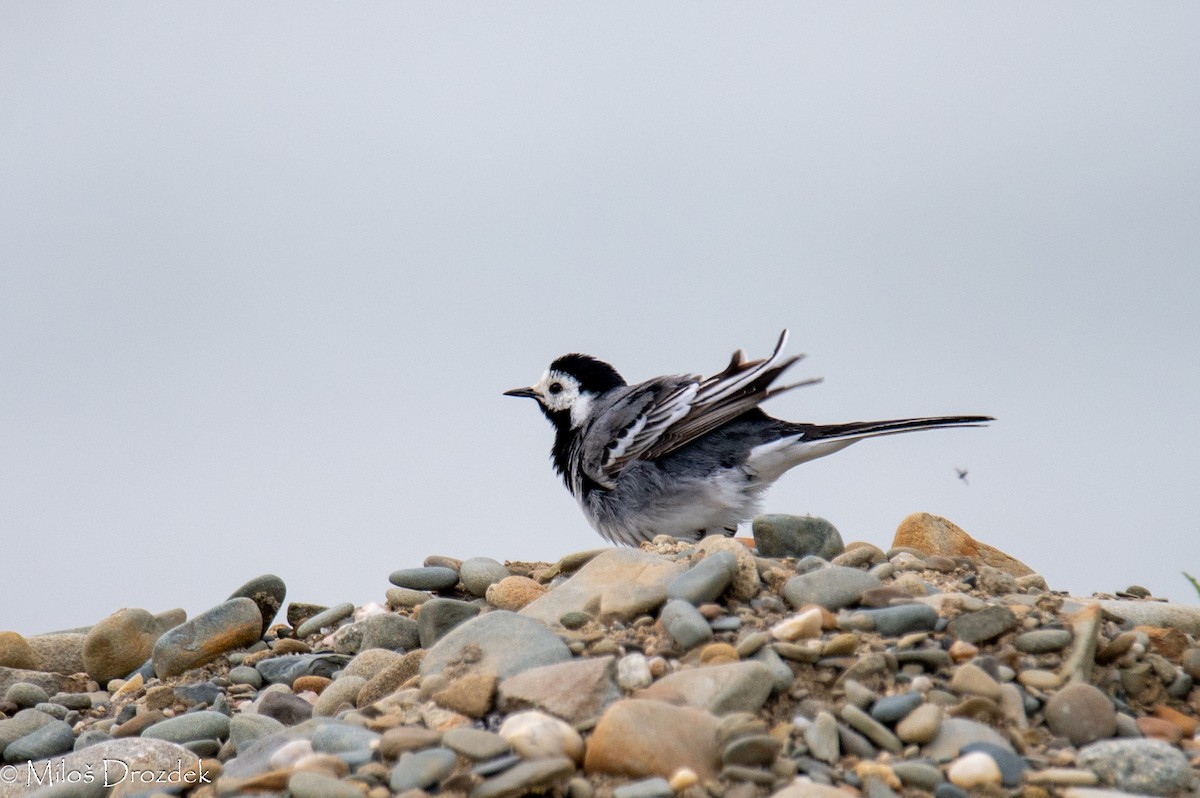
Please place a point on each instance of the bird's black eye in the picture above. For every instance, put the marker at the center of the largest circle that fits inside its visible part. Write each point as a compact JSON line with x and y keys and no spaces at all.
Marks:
{"x":555,"y":387}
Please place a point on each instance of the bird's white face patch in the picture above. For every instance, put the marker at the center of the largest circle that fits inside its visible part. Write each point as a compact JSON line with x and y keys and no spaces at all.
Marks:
{"x":557,"y":392}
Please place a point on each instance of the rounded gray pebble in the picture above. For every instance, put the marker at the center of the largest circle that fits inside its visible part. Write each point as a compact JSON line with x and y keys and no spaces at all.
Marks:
{"x":921,"y":775}
{"x":328,"y":618}
{"x":340,"y":738}
{"x":432,"y":578}
{"x":705,"y":580}
{"x":479,"y":573}
{"x":417,"y":771}
{"x":53,"y":710}
{"x":313,"y":784}
{"x":244,"y":674}
{"x":532,"y":775}
{"x":902,"y":619}
{"x":1148,"y":767}
{"x":574,"y":619}
{"x":55,"y":737}
{"x":203,"y":725}
{"x":1042,"y":641}
{"x":778,"y":535}
{"x":893,"y":708}
{"x":26,"y":694}
{"x":475,"y":743}
{"x":833,"y":587}
{"x":685,"y":624}
{"x":391,"y":631}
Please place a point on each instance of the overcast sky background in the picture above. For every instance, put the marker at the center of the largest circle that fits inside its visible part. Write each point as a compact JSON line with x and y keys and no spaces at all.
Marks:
{"x":265,"y":271}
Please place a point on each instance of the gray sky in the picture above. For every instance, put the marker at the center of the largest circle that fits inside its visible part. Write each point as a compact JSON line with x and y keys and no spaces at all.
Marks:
{"x":265,"y":271}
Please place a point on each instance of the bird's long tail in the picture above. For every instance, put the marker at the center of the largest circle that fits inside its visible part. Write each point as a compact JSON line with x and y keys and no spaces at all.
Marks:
{"x":869,"y":429}
{"x":804,"y":442}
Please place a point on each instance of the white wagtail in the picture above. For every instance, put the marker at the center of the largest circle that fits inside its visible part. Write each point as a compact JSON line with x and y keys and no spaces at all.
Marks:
{"x":683,"y":455}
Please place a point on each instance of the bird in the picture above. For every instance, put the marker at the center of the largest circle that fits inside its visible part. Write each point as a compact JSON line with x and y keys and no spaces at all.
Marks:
{"x":684,"y":456}
{"x":962,"y":474}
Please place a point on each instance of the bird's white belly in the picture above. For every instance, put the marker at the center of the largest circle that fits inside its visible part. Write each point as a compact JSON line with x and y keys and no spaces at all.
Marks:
{"x":719,"y":502}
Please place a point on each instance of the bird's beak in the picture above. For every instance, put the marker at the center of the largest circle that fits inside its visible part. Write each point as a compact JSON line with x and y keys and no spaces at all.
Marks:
{"x":528,"y":393}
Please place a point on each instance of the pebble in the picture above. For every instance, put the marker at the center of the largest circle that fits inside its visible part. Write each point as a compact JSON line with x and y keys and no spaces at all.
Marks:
{"x":719,"y":689}
{"x":536,"y":735}
{"x":475,"y":744}
{"x":422,"y":769}
{"x":431,"y":578}
{"x":1042,"y":641}
{"x":243,"y":674}
{"x":833,"y":587}
{"x":290,"y":667}
{"x":236,"y":623}
{"x":974,"y":770}
{"x":268,"y":592}
{"x":777,"y":535}
{"x":120,"y":643}
{"x":932,"y":534}
{"x":802,"y":626}
{"x":921,"y":725}
{"x":970,"y":679}
{"x":479,"y":573}
{"x":576,"y":690}
{"x":746,"y":584}
{"x":507,"y":644}
{"x":821,"y":736}
{"x":954,"y":733}
{"x":338,"y":738}
{"x":326,"y":619}
{"x":389,"y":631}
{"x":633,"y":672}
{"x":1147,"y":767}
{"x":535,"y":776}
{"x":515,"y":593}
{"x":53,"y":738}
{"x":983,"y":625}
{"x":471,"y":694}
{"x":314,"y":784}
{"x":617,"y":584}
{"x":405,"y":598}
{"x":755,"y":750}
{"x":25,"y":694}
{"x":61,"y":652}
{"x":706,"y":580}
{"x":919,"y":775}
{"x":875,"y":731}
{"x":16,"y":653}
{"x":639,"y":738}
{"x":203,"y":725}
{"x":343,"y":691}
{"x":901,"y":620}
{"x":656,"y":787}
{"x":1082,"y":713}
{"x":893,"y":708}
{"x":439,"y":616}
{"x":247,"y":727}
{"x":1012,"y":767}
{"x":684,"y":623}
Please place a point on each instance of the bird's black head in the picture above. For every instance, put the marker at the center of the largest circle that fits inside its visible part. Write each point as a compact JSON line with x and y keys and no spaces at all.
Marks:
{"x":593,"y":376}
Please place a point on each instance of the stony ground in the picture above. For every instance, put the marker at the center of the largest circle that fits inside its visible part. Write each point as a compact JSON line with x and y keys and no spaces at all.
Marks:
{"x":795,"y":666}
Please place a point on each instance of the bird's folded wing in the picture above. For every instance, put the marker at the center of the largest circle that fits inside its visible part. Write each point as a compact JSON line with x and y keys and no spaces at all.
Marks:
{"x":660,"y":416}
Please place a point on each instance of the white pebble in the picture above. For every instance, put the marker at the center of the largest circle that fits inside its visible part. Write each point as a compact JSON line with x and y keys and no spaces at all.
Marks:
{"x":535,"y":735}
{"x":633,"y":671}
{"x":805,"y":625}
{"x":974,"y":770}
